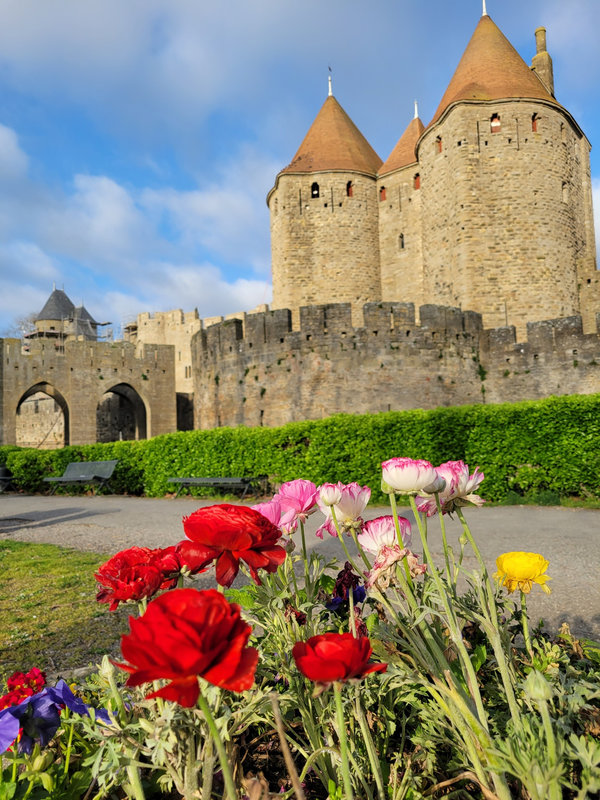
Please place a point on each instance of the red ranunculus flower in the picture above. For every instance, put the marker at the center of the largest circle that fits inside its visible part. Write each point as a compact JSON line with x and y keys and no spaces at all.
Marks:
{"x":229,"y":534}
{"x":335,"y":657}
{"x":129,"y":575}
{"x":167,"y":561}
{"x":187,"y":633}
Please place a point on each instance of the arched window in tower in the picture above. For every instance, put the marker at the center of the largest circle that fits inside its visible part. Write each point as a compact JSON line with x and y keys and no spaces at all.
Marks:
{"x":382,"y":194}
{"x":417,"y":180}
{"x":563,"y":133}
{"x":534,"y":122}
{"x":349,"y":189}
{"x":565,"y":192}
{"x":495,"y":125}
{"x":438,"y":144}
{"x":401,"y":242}
{"x":314,"y":190}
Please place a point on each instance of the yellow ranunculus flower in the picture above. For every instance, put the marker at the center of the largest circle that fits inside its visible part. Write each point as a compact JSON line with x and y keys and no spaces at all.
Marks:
{"x":521,"y":570}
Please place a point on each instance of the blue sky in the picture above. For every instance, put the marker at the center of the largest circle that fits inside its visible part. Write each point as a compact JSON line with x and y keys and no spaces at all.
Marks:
{"x":139,"y":138}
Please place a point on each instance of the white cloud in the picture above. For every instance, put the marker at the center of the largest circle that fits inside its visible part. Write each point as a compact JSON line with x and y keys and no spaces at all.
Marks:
{"x":13,"y":160}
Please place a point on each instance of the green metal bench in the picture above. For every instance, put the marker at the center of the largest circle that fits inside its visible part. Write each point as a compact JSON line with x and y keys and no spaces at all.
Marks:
{"x":96,"y":473}
{"x":230,"y":484}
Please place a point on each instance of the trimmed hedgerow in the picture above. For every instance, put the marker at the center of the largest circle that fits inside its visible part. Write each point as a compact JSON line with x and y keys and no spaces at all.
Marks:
{"x":549,"y":447}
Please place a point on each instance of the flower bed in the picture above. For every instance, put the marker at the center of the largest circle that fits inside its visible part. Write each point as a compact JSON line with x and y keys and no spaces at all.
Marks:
{"x":373,"y":678}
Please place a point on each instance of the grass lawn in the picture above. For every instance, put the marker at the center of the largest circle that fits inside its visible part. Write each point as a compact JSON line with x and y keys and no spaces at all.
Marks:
{"x":49,"y":615}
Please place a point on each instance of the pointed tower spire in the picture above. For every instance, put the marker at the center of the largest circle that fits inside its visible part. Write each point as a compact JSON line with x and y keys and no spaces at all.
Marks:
{"x":491,"y":69}
{"x":404,"y":153}
{"x":334,"y":142}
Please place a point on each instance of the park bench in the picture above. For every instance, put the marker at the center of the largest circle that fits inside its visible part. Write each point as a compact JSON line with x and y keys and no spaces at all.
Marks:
{"x":5,"y":479}
{"x":84,"y":472}
{"x":230,"y":484}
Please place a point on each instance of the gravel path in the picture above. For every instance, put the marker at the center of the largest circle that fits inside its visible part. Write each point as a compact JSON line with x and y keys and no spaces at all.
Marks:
{"x":568,"y":538}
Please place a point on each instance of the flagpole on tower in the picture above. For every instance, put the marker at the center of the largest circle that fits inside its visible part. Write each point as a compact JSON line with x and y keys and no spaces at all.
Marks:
{"x":484,"y":9}
{"x":330,"y":92}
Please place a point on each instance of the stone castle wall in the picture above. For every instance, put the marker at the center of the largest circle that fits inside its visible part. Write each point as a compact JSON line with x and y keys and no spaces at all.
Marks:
{"x":259,"y":371}
{"x":82,"y":377}
{"x":327,"y":245}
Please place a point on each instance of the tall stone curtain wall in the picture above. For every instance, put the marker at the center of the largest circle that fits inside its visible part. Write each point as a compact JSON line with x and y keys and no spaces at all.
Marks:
{"x":81,"y":378}
{"x":258,"y":371}
{"x":498,"y":194}
{"x":325,"y":240}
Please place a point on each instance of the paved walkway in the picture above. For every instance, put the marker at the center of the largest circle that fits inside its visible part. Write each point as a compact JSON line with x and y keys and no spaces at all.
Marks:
{"x":568,"y":538}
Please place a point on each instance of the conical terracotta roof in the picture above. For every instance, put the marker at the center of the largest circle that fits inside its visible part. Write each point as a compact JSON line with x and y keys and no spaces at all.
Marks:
{"x":491,"y":69}
{"x":333,"y":142}
{"x":404,"y":151}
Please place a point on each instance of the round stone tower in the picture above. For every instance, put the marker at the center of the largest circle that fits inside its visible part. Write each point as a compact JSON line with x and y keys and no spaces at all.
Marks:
{"x":324,"y":218}
{"x":505,"y":190}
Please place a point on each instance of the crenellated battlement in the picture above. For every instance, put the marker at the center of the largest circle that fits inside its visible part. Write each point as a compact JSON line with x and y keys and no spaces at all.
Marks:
{"x":258,"y":370}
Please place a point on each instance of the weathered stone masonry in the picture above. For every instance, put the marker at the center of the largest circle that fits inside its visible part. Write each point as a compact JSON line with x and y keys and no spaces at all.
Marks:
{"x":256,"y":370}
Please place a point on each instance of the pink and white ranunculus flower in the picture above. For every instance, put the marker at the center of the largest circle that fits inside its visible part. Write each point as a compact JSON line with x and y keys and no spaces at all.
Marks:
{"x":381,"y":532}
{"x":459,"y":490}
{"x":353,"y":501}
{"x":383,"y":568}
{"x":298,"y":497}
{"x":285,"y":520}
{"x":410,"y":476}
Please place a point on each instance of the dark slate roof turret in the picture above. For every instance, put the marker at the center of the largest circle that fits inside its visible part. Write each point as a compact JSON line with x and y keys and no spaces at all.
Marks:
{"x":58,"y":306}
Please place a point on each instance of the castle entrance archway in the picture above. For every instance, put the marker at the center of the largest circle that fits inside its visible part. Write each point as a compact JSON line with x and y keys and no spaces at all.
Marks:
{"x":121,"y":414}
{"x":42,"y":418}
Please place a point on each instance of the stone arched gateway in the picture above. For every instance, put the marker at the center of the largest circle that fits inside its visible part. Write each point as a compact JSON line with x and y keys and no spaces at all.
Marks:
{"x":120,"y":415}
{"x":42,"y":418}
{"x":80,"y":376}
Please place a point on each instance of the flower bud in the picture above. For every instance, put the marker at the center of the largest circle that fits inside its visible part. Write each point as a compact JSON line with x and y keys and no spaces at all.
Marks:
{"x":330,"y":494}
{"x":537,"y":688}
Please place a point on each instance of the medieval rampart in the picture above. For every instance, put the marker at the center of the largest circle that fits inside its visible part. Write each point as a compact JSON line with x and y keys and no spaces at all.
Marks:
{"x":258,"y":371}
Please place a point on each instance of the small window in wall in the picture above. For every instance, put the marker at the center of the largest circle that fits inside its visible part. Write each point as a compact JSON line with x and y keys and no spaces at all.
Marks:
{"x":314,"y":190}
{"x":417,"y":180}
{"x":495,"y":125}
{"x":438,"y":144}
{"x":534,"y":122}
{"x":565,"y":193}
{"x":382,"y":194}
{"x":401,"y":242}
{"x":349,"y":189}
{"x":563,"y":133}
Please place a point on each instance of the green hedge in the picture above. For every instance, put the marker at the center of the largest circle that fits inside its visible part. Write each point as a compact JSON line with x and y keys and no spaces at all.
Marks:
{"x":525,"y":448}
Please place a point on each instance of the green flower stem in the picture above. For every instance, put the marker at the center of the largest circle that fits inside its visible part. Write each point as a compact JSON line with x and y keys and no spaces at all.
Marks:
{"x":352,"y":613}
{"x":359,"y":548}
{"x":190,"y":775}
{"x":453,"y":626}
{"x":114,"y":690}
{"x":525,"y":624}
{"x":394,"y":508}
{"x":493,"y":635}
{"x":208,"y":768}
{"x":445,"y":541}
{"x":479,"y":557}
{"x":133,"y":774}
{"x":371,"y":751}
{"x":307,"y":581}
{"x":341,"y":538}
{"x":214,"y":732}
{"x":68,"y":750}
{"x":341,"y":726}
{"x":548,"y":732}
